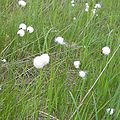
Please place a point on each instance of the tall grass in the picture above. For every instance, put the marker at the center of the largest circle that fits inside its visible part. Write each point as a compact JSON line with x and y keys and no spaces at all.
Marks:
{"x":57,"y":92}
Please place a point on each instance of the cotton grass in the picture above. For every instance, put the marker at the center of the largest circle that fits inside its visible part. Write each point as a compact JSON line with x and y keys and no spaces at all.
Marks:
{"x":60,"y":40}
{"x":22,"y":3}
{"x":106,"y":50}
{"x":21,"y":32}
{"x":41,"y":61}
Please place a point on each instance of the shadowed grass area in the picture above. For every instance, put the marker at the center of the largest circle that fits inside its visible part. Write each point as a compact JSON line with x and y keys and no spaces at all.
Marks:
{"x":56,"y":91}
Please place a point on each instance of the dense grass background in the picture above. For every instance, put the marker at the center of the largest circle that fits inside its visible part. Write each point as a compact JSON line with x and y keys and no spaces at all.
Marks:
{"x":57,"y":90}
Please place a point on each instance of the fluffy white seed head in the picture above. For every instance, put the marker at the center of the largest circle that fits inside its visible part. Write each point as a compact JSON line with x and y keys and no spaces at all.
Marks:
{"x":22,"y":26}
{"x":106,"y":50}
{"x":72,"y":1}
{"x":41,"y":61}
{"x":30,"y":29}
{"x":86,"y":9}
{"x":110,"y":111}
{"x":82,"y":74}
{"x":21,"y":32}
{"x":77,"y":64}
{"x":60,"y":40}
{"x":96,"y":15}
{"x":97,"y":6}
{"x":4,"y":60}
{"x":86,"y":4}
{"x":22,"y":3}
{"x":73,"y":4}
{"x":74,"y":18}
{"x":94,"y":11}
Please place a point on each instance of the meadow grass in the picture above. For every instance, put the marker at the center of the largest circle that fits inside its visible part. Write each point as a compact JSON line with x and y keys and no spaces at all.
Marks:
{"x":56,"y":92}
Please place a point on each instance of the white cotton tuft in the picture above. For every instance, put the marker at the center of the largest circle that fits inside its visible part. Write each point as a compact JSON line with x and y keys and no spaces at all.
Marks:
{"x":41,"y":61}
{"x":96,"y":15}
{"x":106,"y":50}
{"x":60,"y":40}
{"x":21,"y":32}
{"x":22,"y":3}
{"x":82,"y":74}
{"x":86,"y":4}
{"x":74,"y":18}
{"x":110,"y":111}
{"x":4,"y":60}
{"x":22,"y":26}
{"x":77,"y":64}
{"x":73,"y":4}
{"x":97,"y":6}
{"x":87,"y":7}
{"x":94,"y":11}
{"x":30,"y":29}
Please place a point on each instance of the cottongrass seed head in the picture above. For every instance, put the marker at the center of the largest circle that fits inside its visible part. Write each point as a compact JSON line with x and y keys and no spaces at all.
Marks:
{"x":72,"y":3}
{"x":87,"y":7}
{"x":30,"y":29}
{"x":21,"y":32}
{"x":41,"y":61}
{"x":60,"y":40}
{"x":4,"y":60}
{"x":94,"y":11}
{"x":97,"y":5}
{"x":110,"y":111}
{"x":82,"y":74}
{"x":22,"y":26}
{"x":106,"y":50}
{"x":74,"y":18}
{"x":22,"y":3}
{"x":77,"y":64}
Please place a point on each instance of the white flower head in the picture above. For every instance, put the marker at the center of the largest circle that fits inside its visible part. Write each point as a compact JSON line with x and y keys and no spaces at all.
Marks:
{"x":30,"y":29}
{"x":82,"y":74}
{"x":4,"y":60}
{"x":86,"y":9}
{"x":77,"y":64}
{"x":22,"y":26}
{"x":60,"y":40}
{"x":74,"y":18}
{"x":22,"y":3}
{"x":86,"y":4}
{"x":110,"y":111}
{"x":41,"y":61}
{"x":94,"y":11}
{"x":73,"y":4}
{"x":21,"y":32}
{"x":96,"y":15}
{"x":106,"y":50}
{"x":97,"y":6}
